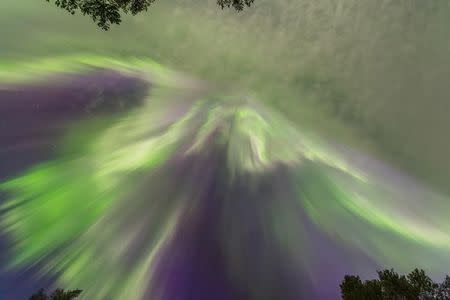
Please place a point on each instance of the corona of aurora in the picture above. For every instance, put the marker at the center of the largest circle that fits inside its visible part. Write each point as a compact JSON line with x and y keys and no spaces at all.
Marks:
{"x":189,"y":192}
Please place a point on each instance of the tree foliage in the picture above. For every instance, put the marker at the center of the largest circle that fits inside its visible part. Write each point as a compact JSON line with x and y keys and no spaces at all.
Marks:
{"x":108,"y":12}
{"x":58,"y":294}
{"x":392,"y":286}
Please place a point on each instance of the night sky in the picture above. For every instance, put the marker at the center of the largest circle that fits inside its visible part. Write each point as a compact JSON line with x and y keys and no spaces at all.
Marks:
{"x":195,"y":154}
{"x":130,"y":186}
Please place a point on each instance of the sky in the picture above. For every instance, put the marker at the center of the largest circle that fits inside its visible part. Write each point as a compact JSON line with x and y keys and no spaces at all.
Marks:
{"x":194,"y":153}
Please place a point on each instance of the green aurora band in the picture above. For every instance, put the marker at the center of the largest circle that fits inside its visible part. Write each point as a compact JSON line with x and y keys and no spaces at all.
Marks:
{"x":104,"y":219}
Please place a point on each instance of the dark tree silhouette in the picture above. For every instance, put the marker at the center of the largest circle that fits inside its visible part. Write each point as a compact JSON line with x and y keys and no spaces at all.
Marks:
{"x":392,"y":286}
{"x":352,"y":288}
{"x":41,"y":295}
{"x":422,"y":287}
{"x":108,"y":12}
{"x":58,"y":294}
{"x":443,"y":291}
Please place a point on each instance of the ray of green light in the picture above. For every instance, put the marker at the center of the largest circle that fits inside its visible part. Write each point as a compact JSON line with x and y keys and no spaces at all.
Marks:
{"x":39,"y":69}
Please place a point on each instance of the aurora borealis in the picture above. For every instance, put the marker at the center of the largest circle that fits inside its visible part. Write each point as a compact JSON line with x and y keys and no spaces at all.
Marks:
{"x":190,"y":194}
{"x":198,"y":154}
